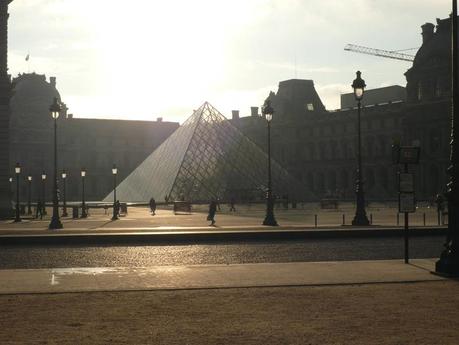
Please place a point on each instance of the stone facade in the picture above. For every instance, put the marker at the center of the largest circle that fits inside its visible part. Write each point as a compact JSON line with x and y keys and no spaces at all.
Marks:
{"x":6,"y":209}
{"x":93,"y":144}
{"x":319,"y":147}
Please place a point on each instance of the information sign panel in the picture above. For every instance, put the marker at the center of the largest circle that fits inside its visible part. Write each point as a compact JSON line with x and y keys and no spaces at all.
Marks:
{"x":409,"y":155}
{"x":406,"y":182}
{"x":406,"y":202}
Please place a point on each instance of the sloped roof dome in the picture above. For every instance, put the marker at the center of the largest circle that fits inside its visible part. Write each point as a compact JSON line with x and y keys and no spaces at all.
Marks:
{"x":32,"y":96}
{"x":438,"y":46}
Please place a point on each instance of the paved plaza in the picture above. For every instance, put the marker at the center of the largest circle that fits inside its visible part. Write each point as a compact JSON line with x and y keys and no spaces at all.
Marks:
{"x":304,"y":216}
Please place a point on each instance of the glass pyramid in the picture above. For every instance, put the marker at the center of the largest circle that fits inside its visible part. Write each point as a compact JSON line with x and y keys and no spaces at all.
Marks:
{"x":207,"y":157}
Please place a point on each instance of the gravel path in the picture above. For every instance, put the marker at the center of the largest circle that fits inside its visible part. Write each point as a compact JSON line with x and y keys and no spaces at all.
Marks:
{"x":417,"y":313}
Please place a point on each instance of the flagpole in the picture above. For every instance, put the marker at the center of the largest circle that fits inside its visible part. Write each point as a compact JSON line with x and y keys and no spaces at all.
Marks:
{"x":28,"y":63}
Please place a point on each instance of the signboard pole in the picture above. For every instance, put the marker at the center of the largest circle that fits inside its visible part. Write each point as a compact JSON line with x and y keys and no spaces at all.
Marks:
{"x":406,"y":230}
{"x":406,"y":193}
{"x":406,"y":238}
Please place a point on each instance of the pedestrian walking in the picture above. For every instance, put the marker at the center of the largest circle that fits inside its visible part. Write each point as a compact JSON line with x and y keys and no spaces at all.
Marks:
{"x":39,"y":210}
{"x":152,"y":206}
{"x":212,"y":210}
{"x":232,"y":205}
{"x":116,"y":209}
{"x":439,"y":200}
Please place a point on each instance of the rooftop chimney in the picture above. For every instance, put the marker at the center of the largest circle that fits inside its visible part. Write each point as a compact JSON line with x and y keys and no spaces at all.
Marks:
{"x":254,"y":111}
{"x":52,"y":81}
{"x":427,"y":32}
{"x":235,"y":114}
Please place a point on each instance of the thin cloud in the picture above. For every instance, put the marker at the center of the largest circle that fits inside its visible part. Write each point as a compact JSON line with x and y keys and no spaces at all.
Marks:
{"x":168,"y":60}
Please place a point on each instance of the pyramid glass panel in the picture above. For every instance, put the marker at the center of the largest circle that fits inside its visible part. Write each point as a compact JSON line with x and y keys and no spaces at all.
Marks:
{"x":206,"y":158}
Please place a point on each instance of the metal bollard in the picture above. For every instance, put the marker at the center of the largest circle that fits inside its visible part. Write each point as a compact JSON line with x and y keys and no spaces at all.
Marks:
{"x":344,"y":219}
{"x":371,"y":218}
{"x":315,"y":220}
{"x":424,"y":218}
{"x":398,"y":219}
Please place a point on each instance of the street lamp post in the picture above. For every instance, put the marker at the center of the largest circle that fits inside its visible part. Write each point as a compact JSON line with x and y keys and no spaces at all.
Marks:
{"x":43,"y":182}
{"x":29,"y":201}
{"x":17,"y":171}
{"x":268,"y":112}
{"x":115,"y":211}
{"x":11,"y":186}
{"x":64,"y":179}
{"x":83,"y":204}
{"x":55,"y":109}
{"x":449,"y":258}
{"x":360,"y":217}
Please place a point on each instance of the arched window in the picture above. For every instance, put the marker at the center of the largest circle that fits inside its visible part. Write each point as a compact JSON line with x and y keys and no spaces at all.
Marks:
{"x":420,"y":91}
{"x":383,"y":178}
{"x":433,"y":179}
{"x":310,"y":181}
{"x":370,"y":178}
{"x":322,"y":155}
{"x":434,"y":139}
{"x":437,"y":88}
{"x":344,"y":179}
{"x":369,"y":146}
{"x":311,"y":151}
{"x":334,"y":150}
{"x":331,"y":182}
{"x":344,"y":150}
{"x":382,"y":146}
{"x":320,"y":182}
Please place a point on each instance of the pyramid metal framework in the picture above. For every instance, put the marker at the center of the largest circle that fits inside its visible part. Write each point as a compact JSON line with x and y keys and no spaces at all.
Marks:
{"x":207,"y":157}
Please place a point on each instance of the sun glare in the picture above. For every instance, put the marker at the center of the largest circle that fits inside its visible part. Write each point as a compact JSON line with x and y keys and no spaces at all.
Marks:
{"x":171,"y":52}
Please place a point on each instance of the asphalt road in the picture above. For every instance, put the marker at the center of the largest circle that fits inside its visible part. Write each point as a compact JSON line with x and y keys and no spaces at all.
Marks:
{"x":218,"y":253}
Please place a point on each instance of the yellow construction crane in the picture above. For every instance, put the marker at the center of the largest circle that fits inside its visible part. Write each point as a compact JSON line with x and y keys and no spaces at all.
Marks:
{"x":379,"y":52}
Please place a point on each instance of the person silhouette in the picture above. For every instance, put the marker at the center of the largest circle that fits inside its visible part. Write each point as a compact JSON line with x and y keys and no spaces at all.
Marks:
{"x":212,"y":210}
{"x":152,"y":206}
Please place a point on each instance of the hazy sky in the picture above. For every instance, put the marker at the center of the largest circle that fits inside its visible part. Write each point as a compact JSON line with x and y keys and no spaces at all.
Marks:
{"x":142,"y":59}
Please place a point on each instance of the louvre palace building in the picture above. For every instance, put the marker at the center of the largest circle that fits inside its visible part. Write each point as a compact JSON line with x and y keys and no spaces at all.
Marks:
{"x":92,"y":144}
{"x":318,"y":148}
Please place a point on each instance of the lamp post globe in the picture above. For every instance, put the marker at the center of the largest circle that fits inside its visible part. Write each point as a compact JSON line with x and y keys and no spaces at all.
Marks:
{"x":55,"y":223}
{"x":43,"y":196}
{"x":115,"y":210}
{"x":267,"y":111}
{"x":359,"y":86}
{"x":29,"y":199}
{"x":17,"y":171}
{"x":83,"y":203}
{"x":360,"y":217}
{"x":64,"y":182}
{"x":11,"y":184}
